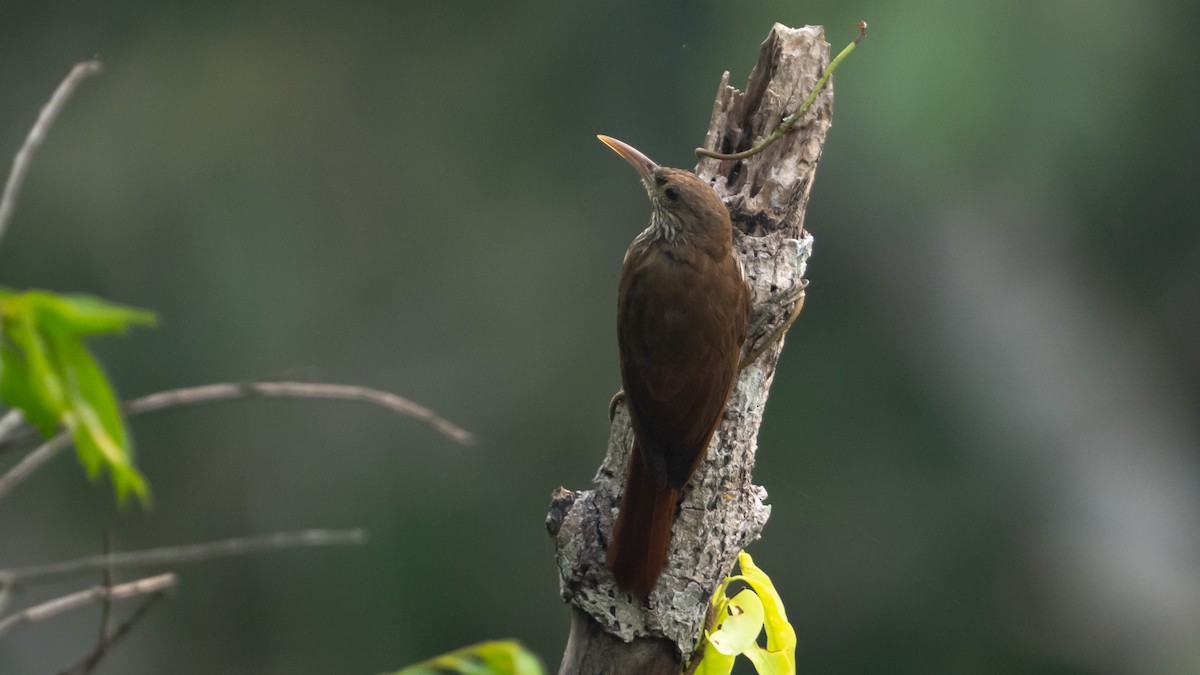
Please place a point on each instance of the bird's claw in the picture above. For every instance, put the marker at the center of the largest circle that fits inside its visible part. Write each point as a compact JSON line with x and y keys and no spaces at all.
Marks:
{"x":617,"y":399}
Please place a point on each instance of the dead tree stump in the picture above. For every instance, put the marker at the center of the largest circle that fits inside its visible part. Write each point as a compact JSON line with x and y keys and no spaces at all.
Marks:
{"x":722,"y":510}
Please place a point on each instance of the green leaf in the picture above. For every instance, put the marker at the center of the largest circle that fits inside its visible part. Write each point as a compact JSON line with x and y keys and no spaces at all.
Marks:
{"x":740,"y":619}
{"x":95,"y":422}
{"x":771,"y":663}
{"x":737,"y":631}
{"x":781,"y":637}
{"x":47,"y":372}
{"x":502,"y":657}
{"x":29,"y":381}
{"x":81,"y":314}
{"x":713,"y":662}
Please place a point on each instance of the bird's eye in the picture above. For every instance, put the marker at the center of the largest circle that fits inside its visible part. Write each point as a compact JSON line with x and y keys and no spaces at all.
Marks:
{"x":672,"y":193}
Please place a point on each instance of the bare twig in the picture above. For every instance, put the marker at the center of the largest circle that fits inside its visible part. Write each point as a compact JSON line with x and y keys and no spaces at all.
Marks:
{"x":76,"y":600}
{"x":107,"y":575}
{"x":89,"y":664}
{"x":224,"y":391}
{"x":12,"y":420}
{"x":20,"y":167}
{"x":31,"y":462}
{"x":173,"y":555}
{"x":232,"y":390}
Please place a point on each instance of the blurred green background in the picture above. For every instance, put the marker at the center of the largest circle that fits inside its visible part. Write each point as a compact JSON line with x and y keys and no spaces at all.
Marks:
{"x":981,"y":448}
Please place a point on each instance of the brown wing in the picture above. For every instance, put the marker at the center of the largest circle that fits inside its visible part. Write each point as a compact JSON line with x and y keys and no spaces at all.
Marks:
{"x":681,"y":325}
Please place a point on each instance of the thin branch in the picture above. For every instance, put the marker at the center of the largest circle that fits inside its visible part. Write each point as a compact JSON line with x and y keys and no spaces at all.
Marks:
{"x":173,"y":555}
{"x":790,"y":120}
{"x":89,"y":664}
{"x":224,"y":391}
{"x":20,"y":167}
{"x":12,"y":421}
{"x":233,"y":390}
{"x":31,"y":462}
{"x":76,"y":600}
{"x":106,"y":610}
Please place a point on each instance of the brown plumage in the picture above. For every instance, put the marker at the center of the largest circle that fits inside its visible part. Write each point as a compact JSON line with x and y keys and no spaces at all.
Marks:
{"x":682,"y":313}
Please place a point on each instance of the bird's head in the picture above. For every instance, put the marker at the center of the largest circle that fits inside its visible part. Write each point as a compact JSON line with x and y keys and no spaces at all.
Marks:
{"x":684,"y":206}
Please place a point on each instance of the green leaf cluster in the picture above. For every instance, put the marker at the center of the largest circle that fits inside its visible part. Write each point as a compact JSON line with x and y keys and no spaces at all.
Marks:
{"x":47,"y":372}
{"x":734,"y":624}
{"x":500,"y":657}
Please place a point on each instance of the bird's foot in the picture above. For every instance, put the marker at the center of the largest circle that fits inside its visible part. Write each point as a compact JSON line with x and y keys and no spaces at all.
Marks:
{"x":774,"y":306}
{"x":617,"y":399}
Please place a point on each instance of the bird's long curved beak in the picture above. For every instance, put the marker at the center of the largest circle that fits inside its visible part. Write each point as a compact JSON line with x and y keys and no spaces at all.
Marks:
{"x":644,"y":165}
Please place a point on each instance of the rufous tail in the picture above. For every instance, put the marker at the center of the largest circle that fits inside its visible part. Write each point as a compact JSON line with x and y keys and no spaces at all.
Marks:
{"x":642,"y":535}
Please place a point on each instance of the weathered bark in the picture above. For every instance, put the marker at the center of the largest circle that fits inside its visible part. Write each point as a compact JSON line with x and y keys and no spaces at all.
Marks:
{"x":722,"y":511}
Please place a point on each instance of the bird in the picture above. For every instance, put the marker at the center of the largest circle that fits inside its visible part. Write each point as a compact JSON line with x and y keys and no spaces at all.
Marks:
{"x":683,"y":312}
